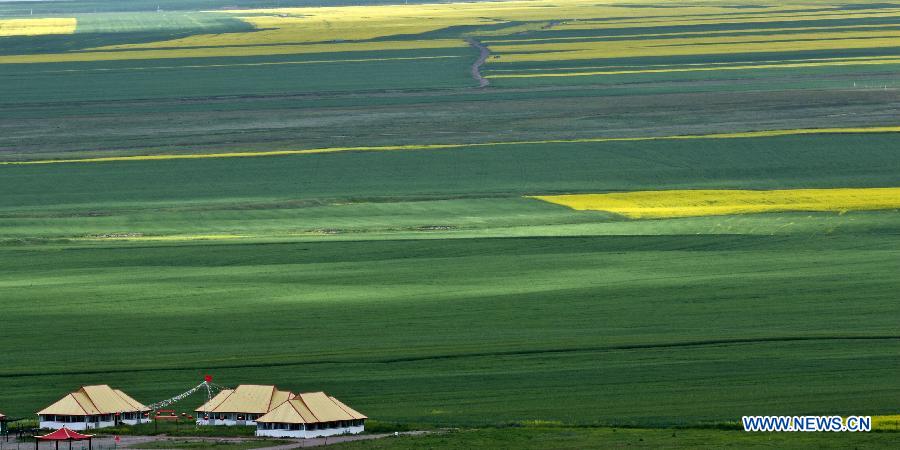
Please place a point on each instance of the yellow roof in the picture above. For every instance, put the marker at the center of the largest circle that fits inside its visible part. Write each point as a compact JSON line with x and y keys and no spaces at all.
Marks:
{"x":93,"y":400}
{"x":246,"y":398}
{"x":283,"y":413}
{"x":127,"y":399}
{"x":215,"y":401}
{"x":356,"y":414}
{"x":84,"y":402}
{"x":313,"y":407}
{"x":280,"y":397}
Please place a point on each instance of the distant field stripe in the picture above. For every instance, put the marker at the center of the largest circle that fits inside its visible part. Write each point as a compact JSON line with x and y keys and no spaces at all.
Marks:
{"x":37,"y":27}
{"x":221,"y":52}
{"x":483,"y":354}
{"x":716,"y":202}
{"x":871,"y":62}
{"x":410,"y":147}
{"x":695,"y":65}
{"x":174,"y":237}
{"x":718,"y":19}
{"x":276,"y":63}
{"x":736,"y":32}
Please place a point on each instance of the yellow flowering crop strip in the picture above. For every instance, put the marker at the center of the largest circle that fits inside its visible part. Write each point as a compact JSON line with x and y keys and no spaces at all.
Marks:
{"x":37,"y":27}
{"x":271,"y":63}
{"x":886,"y":423}
{"x":565,"y":51}
{"x":268,"y":50}
{"x":705,"y":202}
{"x":857,"y":62}
{"x":173,"y":237}
{"x":682,"y":17}
{"x":609,"y":68}
{"x":413,"y":147}
{"x":733,"y":32}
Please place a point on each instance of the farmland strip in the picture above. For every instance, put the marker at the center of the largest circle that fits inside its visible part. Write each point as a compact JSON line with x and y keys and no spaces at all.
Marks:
{"x":746,"y":134}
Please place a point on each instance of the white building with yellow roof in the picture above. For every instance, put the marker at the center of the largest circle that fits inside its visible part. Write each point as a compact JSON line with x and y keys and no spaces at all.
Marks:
{"x":241,"y":405}
{"x":309,"y":415}
{"x":93,"y":407}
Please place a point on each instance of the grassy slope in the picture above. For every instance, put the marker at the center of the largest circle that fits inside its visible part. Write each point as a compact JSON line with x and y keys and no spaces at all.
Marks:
{"x":570,"y":317}
{"x":502,"y":328}
{"x":142,"y":79}
{"x":150,"y":6}
{"x":580,"y":438}
{"x":534,"y":331}
{"x":109,"y":108}
{"x":780,"y":162}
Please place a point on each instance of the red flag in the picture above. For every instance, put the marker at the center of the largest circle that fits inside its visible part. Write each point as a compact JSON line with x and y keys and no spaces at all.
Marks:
{"x":208,"y":378}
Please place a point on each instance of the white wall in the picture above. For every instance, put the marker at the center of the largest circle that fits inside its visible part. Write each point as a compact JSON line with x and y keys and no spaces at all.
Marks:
{"x":135,"y":421}
{"x":281,"y":433}
{"x":226,"y":422}
{"x":310,"y":433}
{"x":77,"y":426}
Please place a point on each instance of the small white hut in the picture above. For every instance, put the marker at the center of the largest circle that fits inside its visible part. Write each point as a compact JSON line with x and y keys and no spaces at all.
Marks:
{"x":93,"y":407}
{"x":310,"y":415}
{"x":241,"y":405}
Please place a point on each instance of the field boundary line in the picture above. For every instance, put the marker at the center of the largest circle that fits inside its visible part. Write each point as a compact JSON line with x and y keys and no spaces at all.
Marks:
{"x":271,"y":63}
{"x":412,"y":147}
{"x":871,"y":62}
{"x":396,"y":360}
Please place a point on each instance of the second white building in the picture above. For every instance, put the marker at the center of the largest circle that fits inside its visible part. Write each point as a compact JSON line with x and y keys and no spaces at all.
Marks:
{"x":310,"y":415}
{"x":241,"y":405}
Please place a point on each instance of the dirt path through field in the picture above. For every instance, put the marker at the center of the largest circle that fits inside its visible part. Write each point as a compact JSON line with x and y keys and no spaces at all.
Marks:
{"x":108,"y":443}
{"x":482,"y":57}
{"x":137,"y":442}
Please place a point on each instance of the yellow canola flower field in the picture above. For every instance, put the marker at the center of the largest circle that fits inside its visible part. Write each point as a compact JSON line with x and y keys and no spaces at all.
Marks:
{"x":886,"y":423}
{"x":348,"y":23}
{"x":787,"y":42}
{"x":850,"y":62}
{"x":283,"y":31}
{"x":174,"y":237}
{"x":746,"y":31}
{"x":37,"y":27}
{"x":693,"y":203}
{"x":683,"y":16}
{"x":296,"y":49}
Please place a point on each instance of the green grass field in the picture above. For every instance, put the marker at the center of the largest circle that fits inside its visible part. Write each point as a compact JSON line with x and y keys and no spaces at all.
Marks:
{"x":422,"y":287}
{"x":579,"y":438}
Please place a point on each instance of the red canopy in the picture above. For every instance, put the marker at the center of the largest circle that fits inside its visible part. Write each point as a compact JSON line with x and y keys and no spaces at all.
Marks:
{"x":65,"y":434}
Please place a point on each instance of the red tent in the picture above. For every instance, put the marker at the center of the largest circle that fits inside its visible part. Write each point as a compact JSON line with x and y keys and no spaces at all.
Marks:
{"x":63,"y":434}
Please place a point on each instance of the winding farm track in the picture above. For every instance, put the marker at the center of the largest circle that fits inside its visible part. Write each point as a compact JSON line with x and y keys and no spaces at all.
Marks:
{"x":484,"y":52}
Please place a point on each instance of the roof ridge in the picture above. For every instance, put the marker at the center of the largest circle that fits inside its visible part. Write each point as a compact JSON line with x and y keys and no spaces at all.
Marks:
{"x":271,"y":398}
{"x":220,"y":403}
{"x":338,"y":404}
{"x":88,"y":396}
{"x":300,"y":396}
{"x":127,"y":399}
{"x":288,"y":401}
{"x":79,"y":404}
